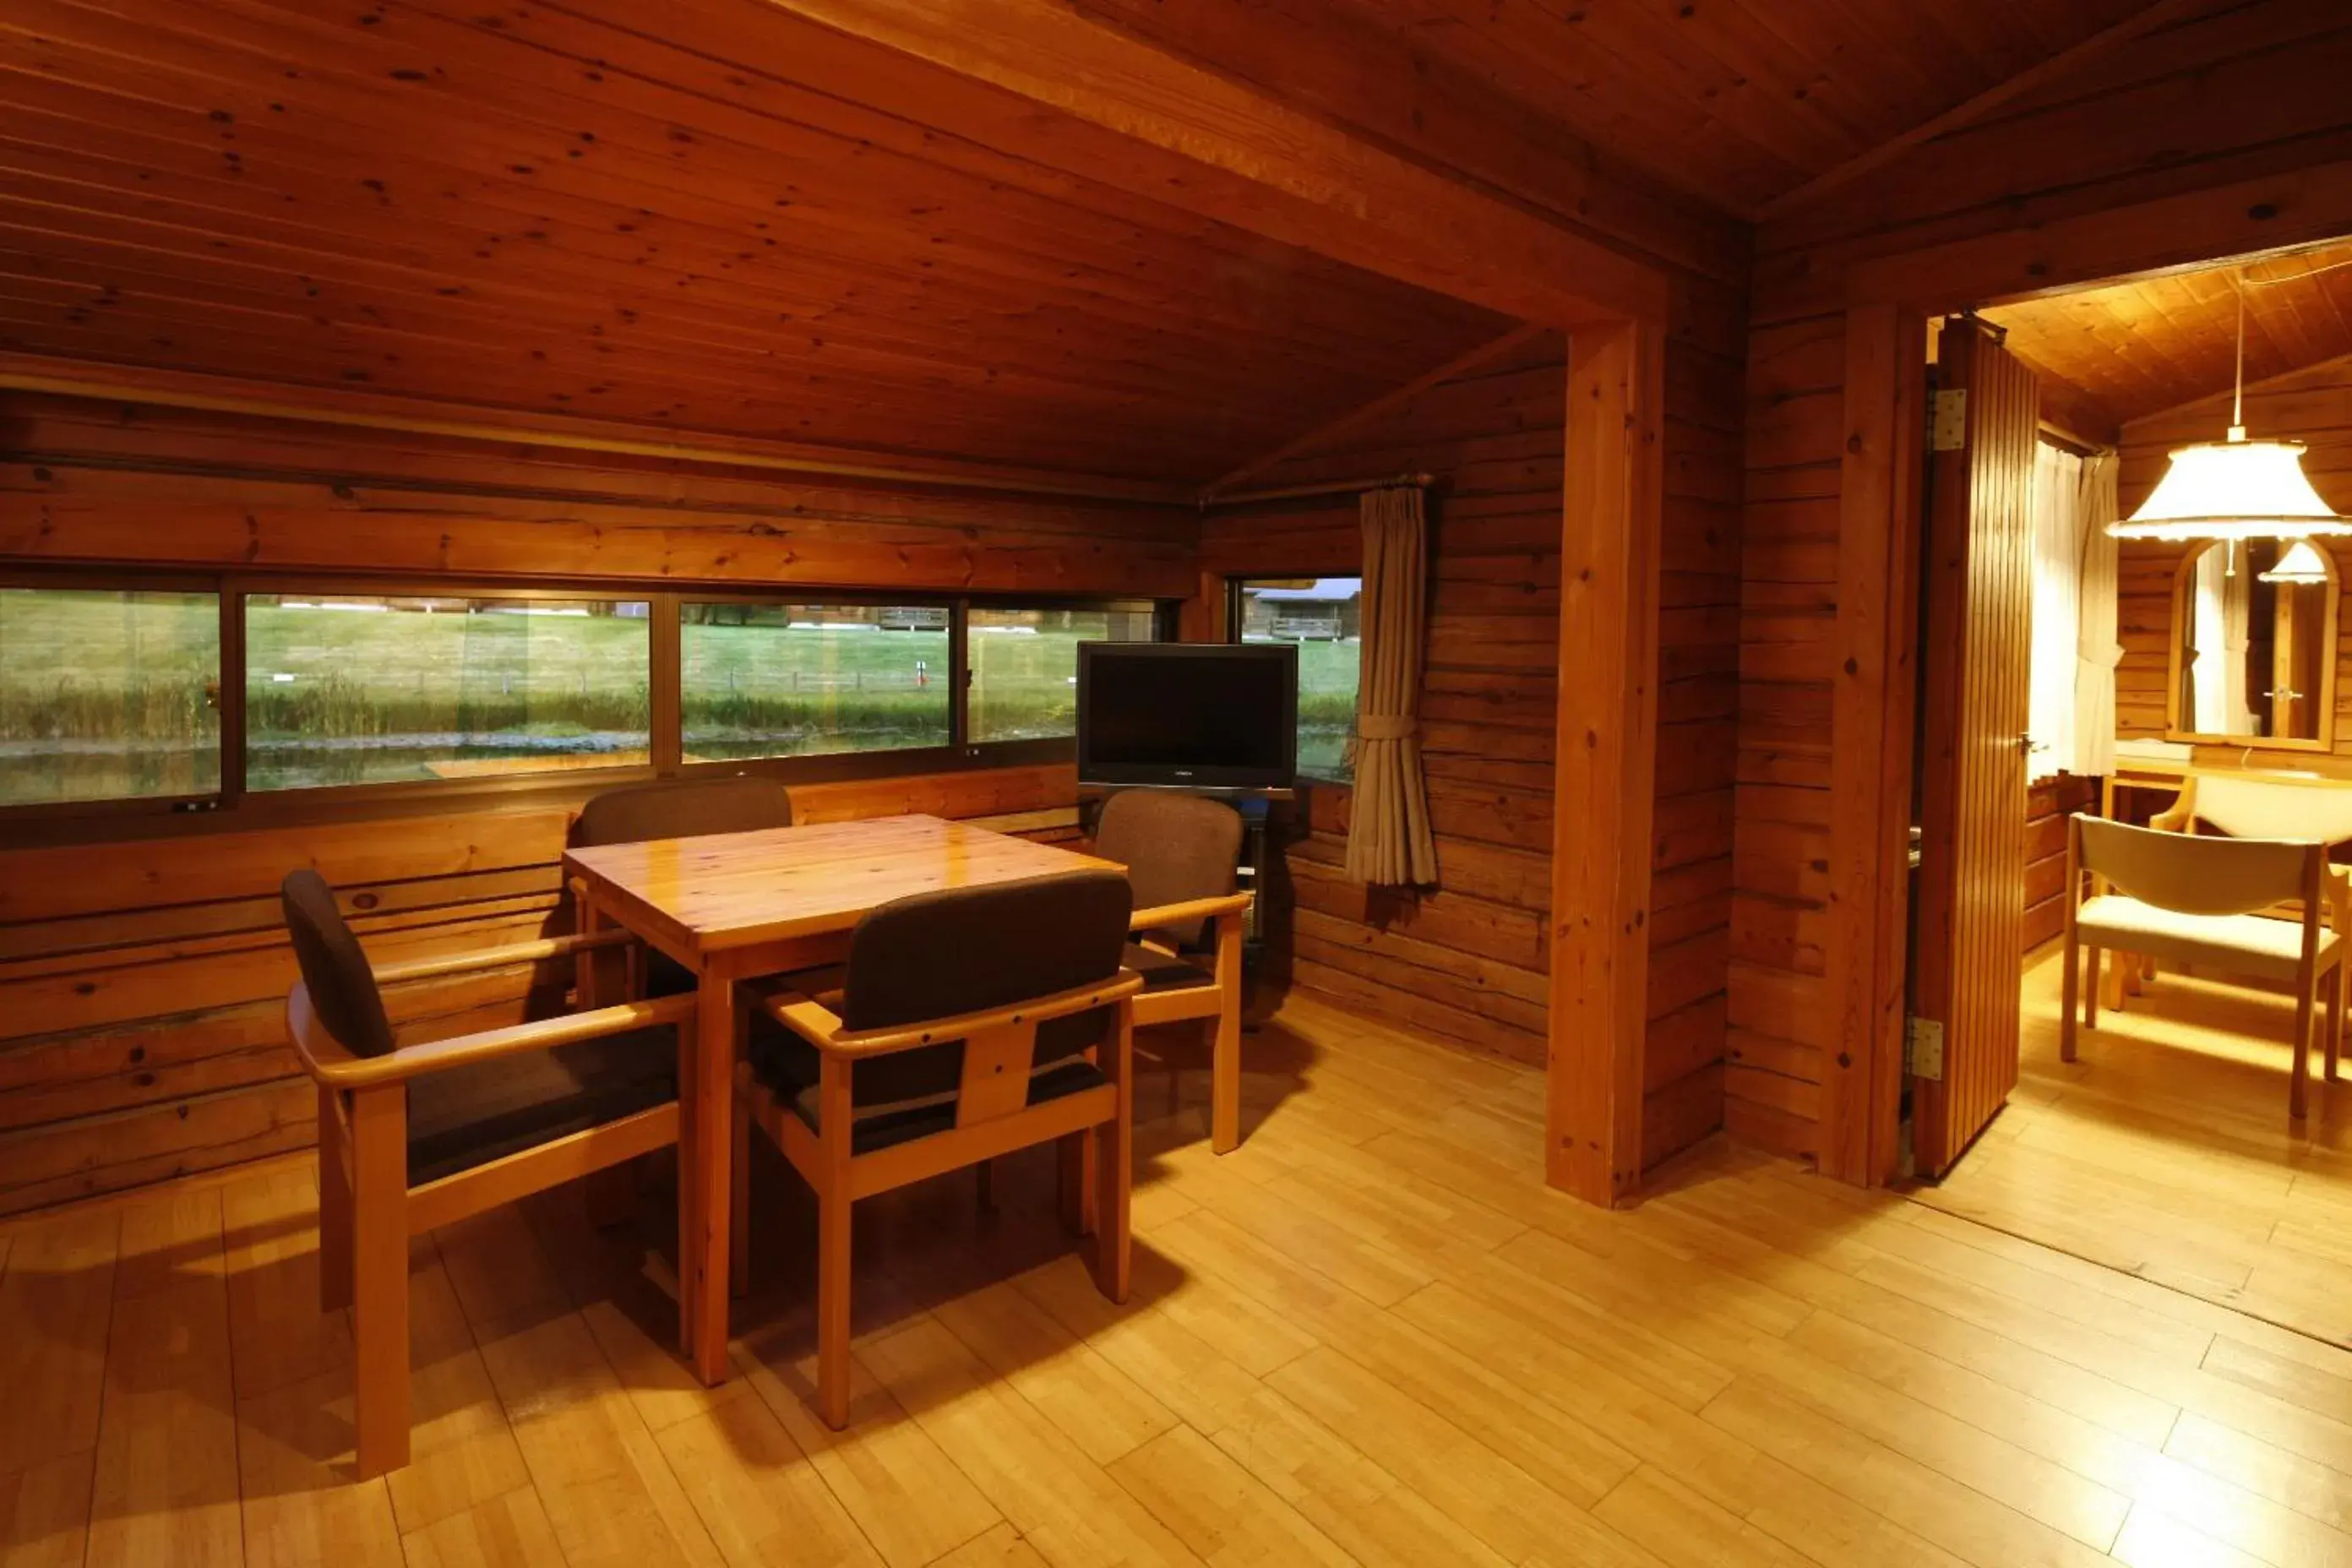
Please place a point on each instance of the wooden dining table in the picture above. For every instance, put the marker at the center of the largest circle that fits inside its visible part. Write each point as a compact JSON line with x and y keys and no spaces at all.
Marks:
{"x":734,"y":907}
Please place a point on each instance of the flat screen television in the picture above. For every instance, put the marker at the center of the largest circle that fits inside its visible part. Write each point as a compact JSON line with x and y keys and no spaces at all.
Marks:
{"x":1192,"y":715}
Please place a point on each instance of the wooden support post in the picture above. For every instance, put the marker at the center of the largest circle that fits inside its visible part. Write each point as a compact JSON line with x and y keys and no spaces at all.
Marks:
{"x":1611,"y":523}
{"x":1872,"y":672}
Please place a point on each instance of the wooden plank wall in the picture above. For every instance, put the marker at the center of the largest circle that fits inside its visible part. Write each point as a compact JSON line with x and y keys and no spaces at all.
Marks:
{"x":2228,"y":130}
{"x":2313,"y":407}
{"x":1467,"y":962}
{"x":1779,"y":1012}
{"x":83,"y":481}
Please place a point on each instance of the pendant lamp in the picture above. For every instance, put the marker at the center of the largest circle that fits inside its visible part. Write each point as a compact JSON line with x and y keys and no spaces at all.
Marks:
{"x":2236,"y":489}
{"x":2300,"y":563}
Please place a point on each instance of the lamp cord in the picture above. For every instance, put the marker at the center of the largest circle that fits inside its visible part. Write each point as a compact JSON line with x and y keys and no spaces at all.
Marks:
{"x":2238,"y":391}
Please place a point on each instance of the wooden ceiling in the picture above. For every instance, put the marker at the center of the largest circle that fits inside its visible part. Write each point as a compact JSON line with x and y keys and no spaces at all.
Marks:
{"x":1738,"y":101}
{"x":2139,"y":348}
{"x":548,"y":208}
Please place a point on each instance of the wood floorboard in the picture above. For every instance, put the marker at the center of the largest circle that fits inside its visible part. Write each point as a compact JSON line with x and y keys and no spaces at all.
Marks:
{"x":1370,"y":1335}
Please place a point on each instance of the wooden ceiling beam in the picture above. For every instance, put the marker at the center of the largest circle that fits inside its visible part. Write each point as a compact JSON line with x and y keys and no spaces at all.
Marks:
{"x":1194,"y":139}
{"x":423,"y":417}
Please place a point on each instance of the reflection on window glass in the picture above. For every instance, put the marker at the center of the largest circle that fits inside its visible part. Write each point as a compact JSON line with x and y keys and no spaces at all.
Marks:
{"x":347,"y":688}
{"x":1319,"y":615}
{"x":1025,"y":667}
{"x":108,"y":695}
{"x":792,"y":680}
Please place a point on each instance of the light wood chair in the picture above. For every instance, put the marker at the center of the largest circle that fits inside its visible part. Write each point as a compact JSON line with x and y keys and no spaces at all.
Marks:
{"x":2317,"y":810}
{"x":970,"y":1024}
{"x":2188,"y":899}
{"x":412,"y":1137}
{"x":1181,"y":851}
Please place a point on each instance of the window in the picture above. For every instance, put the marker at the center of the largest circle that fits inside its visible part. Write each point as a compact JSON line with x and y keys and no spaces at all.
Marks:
{"x":790,"y":681}
{"x":108,"y":695}
{"x":1318,"y":614}
{"x":199,"y":692}
{"x":352,"y":688}
{"x":1025,"y":667}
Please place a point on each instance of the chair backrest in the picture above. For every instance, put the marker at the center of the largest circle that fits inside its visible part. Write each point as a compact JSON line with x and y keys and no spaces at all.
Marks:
{"x":2197,"y":875}
{"x":341,"y":982}
{"x":2320,"y":811}
{"x":945,"y":955}
{"x":1175,"y":847}
{"x":681,"y":809}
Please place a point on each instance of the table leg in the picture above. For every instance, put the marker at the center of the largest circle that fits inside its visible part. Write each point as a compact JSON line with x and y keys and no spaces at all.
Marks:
{"x":706,"y":1133}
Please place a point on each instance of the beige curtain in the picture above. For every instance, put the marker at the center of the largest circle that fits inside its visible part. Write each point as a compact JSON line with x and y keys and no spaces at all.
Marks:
{"x":2097,"y":650}
{"x":1389,"y":841}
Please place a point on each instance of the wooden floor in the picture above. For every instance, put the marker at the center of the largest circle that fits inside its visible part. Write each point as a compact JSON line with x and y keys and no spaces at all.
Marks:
{"x":2166,"y":1150}
{"x":1369,"y":1335}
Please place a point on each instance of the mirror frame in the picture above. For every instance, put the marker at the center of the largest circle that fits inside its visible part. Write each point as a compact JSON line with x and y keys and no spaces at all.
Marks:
{"x":2325,"y":740}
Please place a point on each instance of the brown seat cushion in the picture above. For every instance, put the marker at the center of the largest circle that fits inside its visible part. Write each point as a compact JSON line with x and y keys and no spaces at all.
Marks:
{"x":469,"y":1116}
{"x":1165,"y":972}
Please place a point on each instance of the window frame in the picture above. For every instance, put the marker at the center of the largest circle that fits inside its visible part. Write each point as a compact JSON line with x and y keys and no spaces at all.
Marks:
{"x":231,"y":711}
{"x":818,"y":767}
{"x":235,"y":804}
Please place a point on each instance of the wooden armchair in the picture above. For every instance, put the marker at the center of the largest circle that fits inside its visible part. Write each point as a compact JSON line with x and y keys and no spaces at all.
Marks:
{"x":674,"y":808}
{"x":413,"y":1137}
{"x":2186,"y":900}
{"x":970,"y":1024}
{"x":1180,"y":851}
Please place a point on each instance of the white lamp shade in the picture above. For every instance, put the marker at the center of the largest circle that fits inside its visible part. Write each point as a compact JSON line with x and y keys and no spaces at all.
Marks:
{"x":2302,"y":562}
{"x":2233,"y":490}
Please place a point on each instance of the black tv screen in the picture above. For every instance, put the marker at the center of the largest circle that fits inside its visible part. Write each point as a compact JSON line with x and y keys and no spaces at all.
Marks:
{"x":1197,"y":715}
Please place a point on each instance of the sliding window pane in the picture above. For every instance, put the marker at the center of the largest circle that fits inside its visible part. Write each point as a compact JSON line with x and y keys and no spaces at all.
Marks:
{"x":107,"y":695}
{"x":1025,"y":667}
{"x":797,"y":681}
{"x":354,"y":688}
{"x":1318,"y":614}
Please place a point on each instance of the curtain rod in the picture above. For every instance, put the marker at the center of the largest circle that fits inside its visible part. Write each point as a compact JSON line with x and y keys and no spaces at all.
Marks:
{"x":1336,"y":488}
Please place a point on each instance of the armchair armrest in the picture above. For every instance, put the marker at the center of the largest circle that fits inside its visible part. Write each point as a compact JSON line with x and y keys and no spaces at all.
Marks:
{"x":330,"y":1065}
{"x":500,"y":957}
{"x":1190,"y":909}
{"x":822,"y":1027}
{"x":2179,"y":816}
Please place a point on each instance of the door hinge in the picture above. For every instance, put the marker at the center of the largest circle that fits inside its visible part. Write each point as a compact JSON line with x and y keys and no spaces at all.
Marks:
{"x":1949,"y":428}
{"x":1923,"y":1048}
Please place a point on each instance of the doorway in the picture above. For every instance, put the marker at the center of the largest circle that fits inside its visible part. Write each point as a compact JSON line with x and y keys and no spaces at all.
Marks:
{"x":2166,"y":1147}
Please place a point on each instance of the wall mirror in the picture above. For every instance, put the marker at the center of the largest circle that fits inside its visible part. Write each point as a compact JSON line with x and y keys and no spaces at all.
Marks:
{"x":2254,"y":645}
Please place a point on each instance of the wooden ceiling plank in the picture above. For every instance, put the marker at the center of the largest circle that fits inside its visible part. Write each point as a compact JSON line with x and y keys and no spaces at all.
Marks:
{"x":652,"y":179}
{"x":2155,"y":15}
{"x":1365,"y":414}
{"x":1259,"y":164}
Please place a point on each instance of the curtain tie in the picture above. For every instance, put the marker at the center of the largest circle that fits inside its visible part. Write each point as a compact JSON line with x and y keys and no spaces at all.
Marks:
{"x":1387,"y":727}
